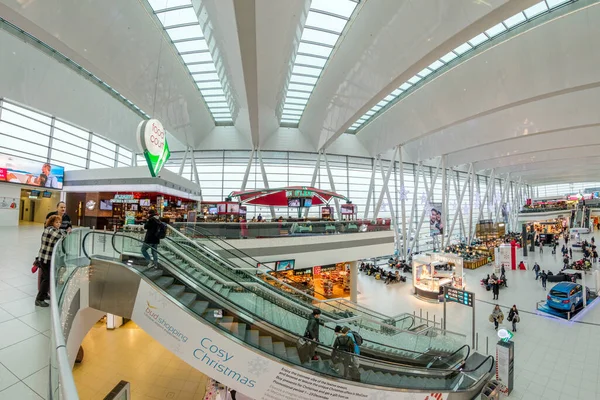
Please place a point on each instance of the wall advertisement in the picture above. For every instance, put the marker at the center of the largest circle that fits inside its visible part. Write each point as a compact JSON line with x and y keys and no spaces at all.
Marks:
{"x":436,"y":222}
{"x":32,"y":173}
{"x":239,"y":367}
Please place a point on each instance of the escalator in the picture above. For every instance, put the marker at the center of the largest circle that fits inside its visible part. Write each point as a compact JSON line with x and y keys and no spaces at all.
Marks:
{"x":236,"y":317}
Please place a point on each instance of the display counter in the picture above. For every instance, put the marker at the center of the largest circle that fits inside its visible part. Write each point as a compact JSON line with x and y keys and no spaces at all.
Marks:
{"x":433,"y":271}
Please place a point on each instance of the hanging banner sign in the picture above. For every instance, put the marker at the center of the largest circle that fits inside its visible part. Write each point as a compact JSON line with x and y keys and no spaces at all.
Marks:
{"x":239,"y":366}
{"x":152,"y":140}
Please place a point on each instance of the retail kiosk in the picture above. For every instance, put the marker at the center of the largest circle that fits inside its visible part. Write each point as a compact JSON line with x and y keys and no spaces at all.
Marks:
{"x":433,"y":271}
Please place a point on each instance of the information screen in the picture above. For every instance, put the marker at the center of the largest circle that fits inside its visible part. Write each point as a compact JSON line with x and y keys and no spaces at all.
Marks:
{"x":33,"y":173}
{"x":459,"y":296}
{"x":293,"y":202}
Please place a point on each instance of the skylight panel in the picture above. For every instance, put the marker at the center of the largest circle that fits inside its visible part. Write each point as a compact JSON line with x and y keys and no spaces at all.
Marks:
{"x":477,"y":40}
{"x":192,"y":45}
{"x":303,"y":79}
{"x":415,"y":79}
{"x":496,"y":30}
{"x":299,"y":87}
{"x":397,"y":92}
{"x":382,"y":103}
{"x":162,"y":4}
{"x":210,"y":76}
{"x":343,"y":8}
{"x":436,"y":65}
{"x":208,"y":85}
{"x":310,"y":61}
{"x":449,"y":57}
{"x":191,"y":58}
{"x":177,"y":17}
{"x":555,"y":3}
{"x":325,"y":22}
{"x":316,"y":36}
{"x":424,"y":72}
{"x":389,"y":97}
{"x":292,"y":106}
{"x":300,"y":69}
{"x":204,"y":68}
{"x":300,"y":95}
{"x":463,"y":48}
{"x":293,"y":100}
{"x":308,"y":48}
{"x":536,"y":9}
{"x":515,"y":20}
{"x":185,"y":32}
{"x":405,"y":86}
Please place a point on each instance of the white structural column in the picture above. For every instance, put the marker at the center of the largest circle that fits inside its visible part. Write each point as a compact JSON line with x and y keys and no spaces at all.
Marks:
{"x":485,"y":197}
{"x":353,"y":281}
{"x":459,"y":213}
{"x":459,"y":205}
{"x":389,"y":197}
{"x":313,"y":181}
{"x":183,"y":161}
{"x":472,"y":195}
{"x":504,"y":193}
{"x":386,"y":180}
{"x":195,"y":170}
{"x":247,"y":172}
{"x":413,"y":207}
{"x":265,"y":180}
{"x":434,"y":179}
{"x":402,"y":195}
{"x":371,"y":187}
{"x":444,"y":201}
{"x":332,"y":184}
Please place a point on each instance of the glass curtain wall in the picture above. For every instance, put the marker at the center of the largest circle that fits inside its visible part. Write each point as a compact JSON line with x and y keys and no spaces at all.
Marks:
{"x":33,"y":135}
{"x":222,"y":172}
{"x":563,"y":189}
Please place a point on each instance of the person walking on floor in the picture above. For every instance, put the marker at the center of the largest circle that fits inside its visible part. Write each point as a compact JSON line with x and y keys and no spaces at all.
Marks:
{"x":544,"y":277}
{"x":513,"y":316}
{"x":50,"y":237}
{"x":495,"y":288}
{"x":497,"y":316}
{"x":536,"y":269}
{"x":541,"y":248}
{"x":153,"y":227}
{"x":570,"y":252}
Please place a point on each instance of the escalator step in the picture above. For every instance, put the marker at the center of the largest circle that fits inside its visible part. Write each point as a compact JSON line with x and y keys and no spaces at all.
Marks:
{"x":227,"y":323}
{"x":200,"y":306}
{"x":187,"y":298}
{"x":252,"y":337}
{"x":225,"y":291}
{"x":292,"y":354}
{"x":165,"y":281}
{"x":266,"y":343}
{"x":153,"y":273}
{"x":209,"y":315}
{"x":217,"y":288}
{"x":239,"y":330}
{"x":210,"y":283}
{"x":279,"y":350}
{"x":176,"y":290}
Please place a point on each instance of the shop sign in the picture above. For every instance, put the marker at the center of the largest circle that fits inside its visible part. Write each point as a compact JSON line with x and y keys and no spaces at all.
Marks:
{"x":307,"y":271}
{"x":329,"y":268}
{"x":124,"y":198}
{"x":152,"y":140}
{"x":459,"y":296}
{"x":299,"y":193}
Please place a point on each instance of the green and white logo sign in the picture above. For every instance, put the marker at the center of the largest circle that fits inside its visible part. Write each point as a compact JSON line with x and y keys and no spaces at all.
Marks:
{"x":152,"y":139}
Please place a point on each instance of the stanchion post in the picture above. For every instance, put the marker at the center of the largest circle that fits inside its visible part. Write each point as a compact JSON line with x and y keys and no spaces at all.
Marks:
{"x":477,"y":341}
{"x":487,"y":346}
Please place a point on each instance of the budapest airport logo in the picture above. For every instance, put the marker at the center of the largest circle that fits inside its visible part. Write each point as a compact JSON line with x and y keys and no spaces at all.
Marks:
{"x":153,"y":315}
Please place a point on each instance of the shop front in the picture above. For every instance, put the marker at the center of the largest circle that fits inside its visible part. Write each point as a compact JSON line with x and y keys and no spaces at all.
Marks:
{"x":323,"y":282}
{"x":433,"y":271}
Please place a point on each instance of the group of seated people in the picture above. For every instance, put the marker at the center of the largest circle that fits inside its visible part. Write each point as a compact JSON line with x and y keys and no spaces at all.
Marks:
{"x":491,"y":280}
{"x":381,"y":273}
{"x":398,"y":264}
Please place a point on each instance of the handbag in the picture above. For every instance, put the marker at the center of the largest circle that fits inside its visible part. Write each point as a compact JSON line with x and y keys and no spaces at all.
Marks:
{"x":36,"y":265}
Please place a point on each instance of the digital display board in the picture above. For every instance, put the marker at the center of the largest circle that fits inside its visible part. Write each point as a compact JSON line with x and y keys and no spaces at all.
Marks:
{"x":33,"y":173}
{"x":459,"y":296}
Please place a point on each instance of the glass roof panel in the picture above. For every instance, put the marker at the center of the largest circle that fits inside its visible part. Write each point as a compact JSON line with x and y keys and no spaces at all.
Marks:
{"x":162,"y":4}
{"x":216,"y":99}
{"x":300,"y":69}
{"x":369,"y":113}
{"x":208,"y":85}
{"x":477,"y":40}
{"x":196,"y":58}
{"x":185,"y":32}
{"x":289,"y":112}
{"x":515,"y":20}
{"x":345,"y":8}
{"x":449,"y":57}
{"x":291,"y":106}
{"x":327,"y":22}
{"x":213,"y":92}
{"x":463,"y":48}
{"x":536,"y":9}
{"x":310,"y":61}
{"x":382,"y":103}
{"x":303,"y":79}
{"x":314,"y":49}
{"x":217,"y":104}
{"x":313,"y":35}
{"x":555,"y":3}
{"x":302,"y":88}
{"x":177,"y":17}
{"x":436,"y":65}
{"x":290,"y":121}
{"x":396,"y":92}
{"x":496,"y":30}
{"x":210,"y":76}
{"x":192,"y":45}
{"x":423,"y":73}
{"x":415,"y":79}
{"x":204,"y":68}
{"x":300,"y":95}
{"x":389,"y":97}
{"x":292,"y":100}
{"x":405,"y":86}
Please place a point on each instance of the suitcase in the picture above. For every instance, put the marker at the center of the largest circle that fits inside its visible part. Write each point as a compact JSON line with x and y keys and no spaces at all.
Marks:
{"x":306,"y":349}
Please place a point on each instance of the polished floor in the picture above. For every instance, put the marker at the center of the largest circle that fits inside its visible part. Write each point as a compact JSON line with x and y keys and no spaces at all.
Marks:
{"x":554,"y":359}
{"x":128,"y":353}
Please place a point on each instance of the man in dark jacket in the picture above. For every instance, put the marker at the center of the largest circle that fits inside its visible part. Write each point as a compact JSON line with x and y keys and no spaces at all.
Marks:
{"x":152,"y":239}
{"x":544,"y":277}
{"x":61,"y":211}
{"x":312,"y":328}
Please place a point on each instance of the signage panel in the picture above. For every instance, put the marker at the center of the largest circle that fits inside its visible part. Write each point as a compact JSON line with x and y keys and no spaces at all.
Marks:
{"x":152,"y":140}
{"x":459,"y":296}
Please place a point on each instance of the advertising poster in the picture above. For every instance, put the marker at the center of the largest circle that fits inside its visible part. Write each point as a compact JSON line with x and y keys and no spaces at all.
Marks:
{"x":9,"y":203}
{"x":436,"y":223}
{"x":33,"y":173}
{"x":239,"y":367}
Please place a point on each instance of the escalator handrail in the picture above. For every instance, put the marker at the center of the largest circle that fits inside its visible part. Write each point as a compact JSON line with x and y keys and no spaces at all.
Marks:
{"x":313,"y":299}
{"x":329,"y":349}
{"x":115,"y":234}
{"x":480,"y":364}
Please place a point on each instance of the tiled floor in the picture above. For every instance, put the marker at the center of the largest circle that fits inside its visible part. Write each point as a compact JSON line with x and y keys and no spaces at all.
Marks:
{"x":554,"y":359}
{"x":128,"y":353}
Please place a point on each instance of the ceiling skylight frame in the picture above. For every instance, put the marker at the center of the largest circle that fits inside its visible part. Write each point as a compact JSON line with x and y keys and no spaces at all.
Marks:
{"x":454,"y":57}
{"x":324,"y":27}
{"x":194,"y":51}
